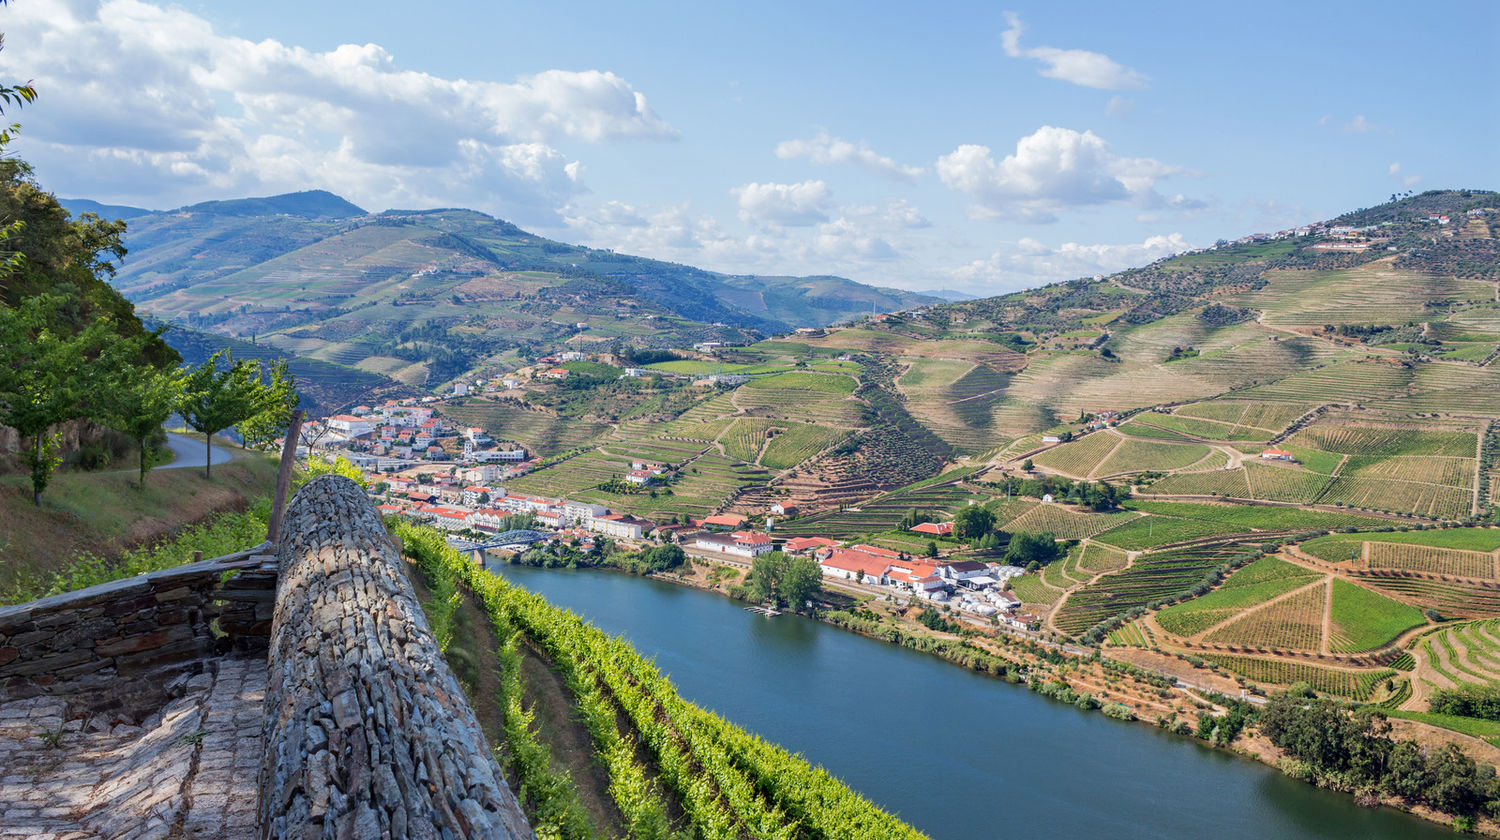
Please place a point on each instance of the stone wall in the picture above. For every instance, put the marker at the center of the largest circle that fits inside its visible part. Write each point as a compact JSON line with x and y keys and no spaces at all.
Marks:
{"x":367,"y":733}
{"x":122,"y":648}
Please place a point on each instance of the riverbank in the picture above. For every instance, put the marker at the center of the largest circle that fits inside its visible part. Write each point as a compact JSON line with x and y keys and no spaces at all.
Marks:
{"x":1088,"y":682}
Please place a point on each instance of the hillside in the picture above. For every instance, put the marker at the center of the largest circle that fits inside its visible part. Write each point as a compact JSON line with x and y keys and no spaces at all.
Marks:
{"x":428,"y":295}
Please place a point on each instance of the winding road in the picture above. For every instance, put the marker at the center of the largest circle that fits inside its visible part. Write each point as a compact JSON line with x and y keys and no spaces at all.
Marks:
{"x":188,"y":452}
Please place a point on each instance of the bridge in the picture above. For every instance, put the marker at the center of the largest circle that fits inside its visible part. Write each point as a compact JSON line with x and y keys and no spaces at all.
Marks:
{"x":503,"y":539}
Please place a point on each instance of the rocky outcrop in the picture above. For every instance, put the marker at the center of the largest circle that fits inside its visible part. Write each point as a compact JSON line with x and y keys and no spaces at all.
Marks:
{"x":367,"y":732}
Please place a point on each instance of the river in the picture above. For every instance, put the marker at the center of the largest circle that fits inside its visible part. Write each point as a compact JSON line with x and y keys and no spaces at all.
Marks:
{"x":956,"y":754}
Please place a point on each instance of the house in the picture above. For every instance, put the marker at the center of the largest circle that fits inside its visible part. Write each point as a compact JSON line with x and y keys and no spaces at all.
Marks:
{"x":782,"y":509}
{"x":490,"y":519}
{"x":460,"y":389}
{"x":648,"y":466}
{"x":621,"y":526}
{"x":636,"y":373}
{"x":581,"y":513}
{"x":554,"y":373}
{"x":451,"y":519}
{"x":476,"y":435}
{"x":1277,"y":455}
{"x":1051,"y":439}
{"x":970,"y":574}
{"x":800,"y":545}
{"x":506,"y":452}
{"x":741,"y":543}
{"x":571,"y":356}
{"x":936,"y":529}
{"x":473,"y":492}
{"x":913,"y":575}
{"x":853,"y":564}
{"x":510,"y":382}
{"x":640,"y":478}
{"x":351,"y":426}
{"x":723,"y":520}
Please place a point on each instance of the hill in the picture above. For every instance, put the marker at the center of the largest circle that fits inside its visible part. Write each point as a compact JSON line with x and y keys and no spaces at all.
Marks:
{"x":428,"y":295}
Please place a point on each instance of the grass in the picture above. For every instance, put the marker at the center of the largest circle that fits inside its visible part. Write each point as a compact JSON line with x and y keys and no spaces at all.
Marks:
{"x":1476,"y":727}
{"x":105,"y":513}
{"x":1365,"y":620}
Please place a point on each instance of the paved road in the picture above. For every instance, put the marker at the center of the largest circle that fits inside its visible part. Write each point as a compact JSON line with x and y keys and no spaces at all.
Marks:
{"x":189,"y":452}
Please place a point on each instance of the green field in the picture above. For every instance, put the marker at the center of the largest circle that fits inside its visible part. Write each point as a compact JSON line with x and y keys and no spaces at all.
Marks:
{"x":1150,"y":531}
{"x":1365,"y":620}
{"x":1255,"y":584}
{"x":1356,"y":685}
{"x":824,"y":383}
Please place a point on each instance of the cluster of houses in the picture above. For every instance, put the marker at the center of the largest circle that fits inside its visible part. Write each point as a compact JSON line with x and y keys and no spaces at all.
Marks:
{"x":401,"y":434}
{"x":973,"y":586}
{"x":491,"y":510}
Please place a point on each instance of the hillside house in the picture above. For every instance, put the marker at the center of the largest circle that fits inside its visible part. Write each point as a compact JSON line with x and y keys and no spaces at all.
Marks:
{"x":640,"y":478}
{"x":781,"y":509}
{"x":723,"y":520}
{"x":474,"y":492}
{"x":740,"y":543}
{"x":351,"y":426}
{"x":853,"y":564}
{"x":621,"y":526}
{"x":802,"y":545}
{"x":554,"y":373}
{"x":936,"y":529}
{"x":1277,"y":455}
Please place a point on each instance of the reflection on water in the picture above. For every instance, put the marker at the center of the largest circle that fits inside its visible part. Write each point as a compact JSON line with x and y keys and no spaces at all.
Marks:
{"x":957,"y":754}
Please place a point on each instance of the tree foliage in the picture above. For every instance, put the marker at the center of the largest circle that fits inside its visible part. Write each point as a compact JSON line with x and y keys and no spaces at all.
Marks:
{"x":219,"y":394}
{"x":785,"y":580}
{"x":973,"y":522}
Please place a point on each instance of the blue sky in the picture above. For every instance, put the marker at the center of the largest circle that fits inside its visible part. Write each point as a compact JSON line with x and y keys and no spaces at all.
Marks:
{"x":968,"y":146}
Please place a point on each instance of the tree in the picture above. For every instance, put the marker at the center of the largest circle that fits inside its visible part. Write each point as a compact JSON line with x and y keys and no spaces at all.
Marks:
{"x":801,"y":581}
{"x":932,"y":549}
{"x":1026,"y":549}
{"x":214,"y":398}
{"x":785,"y":580}
{"x":45,"y":379}
{"x":973,"y":522}
{"x":279,"y":399}
{"x":141,"y":401}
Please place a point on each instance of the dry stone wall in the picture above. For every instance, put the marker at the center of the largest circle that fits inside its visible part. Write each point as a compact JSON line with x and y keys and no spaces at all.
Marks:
{"x":119,"y":648}
{"x":367,"y":732}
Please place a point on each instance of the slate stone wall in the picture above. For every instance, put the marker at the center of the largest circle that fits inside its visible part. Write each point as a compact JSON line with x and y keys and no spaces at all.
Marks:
{"x":122,"y":648}
{"x":367,"y":732}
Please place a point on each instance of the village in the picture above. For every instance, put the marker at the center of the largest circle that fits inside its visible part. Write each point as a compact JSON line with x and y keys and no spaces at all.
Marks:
{"x":419,"y":465}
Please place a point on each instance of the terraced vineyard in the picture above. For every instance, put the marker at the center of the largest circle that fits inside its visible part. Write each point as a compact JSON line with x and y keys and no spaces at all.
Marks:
{"x":796,"y":442}
{"x":1151,"y":531}
{"x":1293,"y":623}
{"x":1354,"y":684}
{"x":1079,"y":458}
{"x":1450,"y":599}
{"x":1247,"y":419}
{"x":542,"y":432}
{"x":1459,"y":654}
{"x":1099,"y":558}
{"x":1065,"y":523}
{"x":1364,"y":620}
{"x":1150,"y":578}
{"x":1458,"y":552}
{"x":882,"y":513}
{"x":1248,"y":587}
{"x":1134,"y":455}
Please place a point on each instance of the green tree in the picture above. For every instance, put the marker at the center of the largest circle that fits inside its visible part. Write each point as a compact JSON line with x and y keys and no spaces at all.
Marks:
{"x":215,"y":398}
{"x":140,"y":401}
{"x":278,"y":400}
{"x":800,"y":581}
{"x":1025,"y":549}
{"x":973,"y":522}
{"x":46,"y":379}
{"x":932,"y":549}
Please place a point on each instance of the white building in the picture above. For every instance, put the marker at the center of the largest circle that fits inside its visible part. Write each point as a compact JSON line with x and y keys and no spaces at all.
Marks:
{"x":351,"y":426}
{"x":581,"y":513}
{"x":740,"y":543}
{"x":620,"y":527}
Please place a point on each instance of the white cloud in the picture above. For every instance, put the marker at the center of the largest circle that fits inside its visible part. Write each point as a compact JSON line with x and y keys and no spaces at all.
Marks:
{"x":1081,"y":67}
{"x":826,"y":150}
{"x":1406,"y":180}
{"x":151,"y":103}
{"x":1360,"y":125}
{"x":1029,"y":262}
{"x":1051,"y":169}
{"x":784,"y":205}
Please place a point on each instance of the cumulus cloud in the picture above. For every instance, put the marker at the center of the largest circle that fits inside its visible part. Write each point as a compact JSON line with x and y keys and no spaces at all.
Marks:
{"x":1406,"y":180}
{"x":1029,"y":262}
{"x":1051,"y":169}
{"x":151,"y":102}
{"x":1360,"y":125}
{"x":784,"y":205}
{"x":824,"y":149}
{"x":1081,"y":67}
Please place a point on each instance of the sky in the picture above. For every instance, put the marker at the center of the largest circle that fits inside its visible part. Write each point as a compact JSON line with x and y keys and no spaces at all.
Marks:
{"x":970,"y":146}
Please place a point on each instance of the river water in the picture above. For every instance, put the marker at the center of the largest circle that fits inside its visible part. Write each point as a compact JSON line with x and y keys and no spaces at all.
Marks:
{"x":956,"y":754}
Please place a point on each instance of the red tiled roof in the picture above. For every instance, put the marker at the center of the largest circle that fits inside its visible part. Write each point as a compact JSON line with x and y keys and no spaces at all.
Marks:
{"x":730,"y":520}
{"x":804,"y":543}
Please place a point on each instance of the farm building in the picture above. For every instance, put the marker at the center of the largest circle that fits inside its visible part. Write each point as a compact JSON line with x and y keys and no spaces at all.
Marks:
{"x":741,"y":543}
{"x":937,"y":529}
{"x":1277,"y":455}
{"x":800,"y":545}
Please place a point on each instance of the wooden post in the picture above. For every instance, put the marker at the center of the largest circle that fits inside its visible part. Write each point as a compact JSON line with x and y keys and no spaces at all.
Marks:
{"x":284,"y":477}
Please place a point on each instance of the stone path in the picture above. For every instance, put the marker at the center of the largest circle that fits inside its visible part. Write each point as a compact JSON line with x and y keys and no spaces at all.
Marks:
{"x":189,"y":771}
